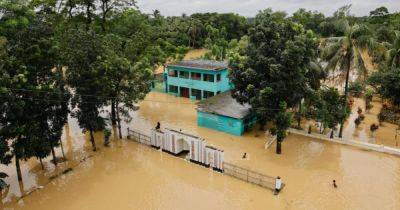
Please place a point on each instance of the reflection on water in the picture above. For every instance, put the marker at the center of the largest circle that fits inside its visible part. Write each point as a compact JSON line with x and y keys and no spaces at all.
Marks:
{"x":128,"y":175}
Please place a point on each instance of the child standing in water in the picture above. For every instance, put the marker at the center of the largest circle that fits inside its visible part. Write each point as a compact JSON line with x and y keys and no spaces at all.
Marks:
{"x":334,"y":184}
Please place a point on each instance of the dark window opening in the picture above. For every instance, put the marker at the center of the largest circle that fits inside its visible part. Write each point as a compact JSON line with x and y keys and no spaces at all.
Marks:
{"x":208,"y":77}
{"x":184,"y":74}
{"x":173,"y":89}
{"x":196,"y":93}
{"x":218,"y":77}
{"x":207,"y":94}
{"x":172,"y":73}
{"x":195,"y":76}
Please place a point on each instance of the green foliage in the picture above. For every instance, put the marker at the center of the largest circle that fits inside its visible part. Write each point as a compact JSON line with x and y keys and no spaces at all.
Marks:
{"x":393,"y":54}
{"x":387,"y":84}
{"x":34,"y":101}
{"x":385,"y":34}
{"x":369,"y":94}
{"x":311,"y":20}
{"x":343,"y":52}
{"x":84,"y":54}
{"x":271,"y":73}
{"x":107,"y":133}
{"x":330,"y":109}
{"x":356,"y":88}
{"x":379,"y":12}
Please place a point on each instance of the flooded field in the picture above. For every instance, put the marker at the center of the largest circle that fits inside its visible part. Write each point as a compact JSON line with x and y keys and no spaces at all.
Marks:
{"x":387,"y":133}
{"x":128,"y":175}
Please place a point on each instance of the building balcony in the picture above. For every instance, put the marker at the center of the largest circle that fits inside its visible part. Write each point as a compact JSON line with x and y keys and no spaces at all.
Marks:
{"x":196,"y":84}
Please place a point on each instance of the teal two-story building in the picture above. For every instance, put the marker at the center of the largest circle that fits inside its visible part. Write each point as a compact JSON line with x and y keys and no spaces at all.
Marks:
{"x":208,"y":81}
{"x":196,"y":79}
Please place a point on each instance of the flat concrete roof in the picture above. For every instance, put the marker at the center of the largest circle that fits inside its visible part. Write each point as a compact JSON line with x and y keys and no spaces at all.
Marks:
{"x":209,"y":65}
{"x":223,"y":104}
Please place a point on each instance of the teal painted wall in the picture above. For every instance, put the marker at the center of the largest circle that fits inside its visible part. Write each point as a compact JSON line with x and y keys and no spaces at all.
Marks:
{"x":221,"y":123}
{"x":220,"y":86}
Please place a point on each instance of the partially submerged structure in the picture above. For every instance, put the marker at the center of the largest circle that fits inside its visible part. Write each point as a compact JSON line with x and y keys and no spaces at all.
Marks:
{"x":196,"y":79}
{"x":208,"y":80}
{"x":224,"y":113}
{"x":176,"y":142}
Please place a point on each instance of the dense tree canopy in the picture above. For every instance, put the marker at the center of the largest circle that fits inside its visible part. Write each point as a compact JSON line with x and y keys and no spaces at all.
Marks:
{"x":271,"y":74}
{"x":33,"y":109}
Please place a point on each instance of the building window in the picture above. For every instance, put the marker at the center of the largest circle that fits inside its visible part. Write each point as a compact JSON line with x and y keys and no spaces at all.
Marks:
{"x":207,"y":94}
{"x":195,"y":76}
{"x":196,"y":93}
{"x":172,"y":73}
{"x":184,"y":74}
{"x":208,"y":77}
{"x":173,"y":89}
{"x":218,"y":77}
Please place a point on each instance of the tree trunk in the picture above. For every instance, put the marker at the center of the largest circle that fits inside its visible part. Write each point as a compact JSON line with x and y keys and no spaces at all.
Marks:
{"x":88,"y":15}
{"x":54,"y":156}
{"x":320,"y":128}
{"x":299,"y":116}
{"x":118,"y":120}
{"x":346,"y":87}
{"x":113,"y":117}
{"x":62,"y":150}
{"x":92,"y":141}
{"x":278,"y":145}
{"x":41,"y":163}
{"x":18,"y":167}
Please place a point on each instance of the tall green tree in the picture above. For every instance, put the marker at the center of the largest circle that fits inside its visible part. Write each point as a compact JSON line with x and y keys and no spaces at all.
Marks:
{"x":387,"y":83}
{"x":83,"y":54}
{"x":29,"y":55}
{"x":310,"y":20}
{"x":329,"y":108}
{"x":393,"y":54}
{"x":342,"y":53}
{"x":271,"y":74}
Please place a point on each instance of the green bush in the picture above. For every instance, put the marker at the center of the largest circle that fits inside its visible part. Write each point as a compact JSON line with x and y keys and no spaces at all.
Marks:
{"x":356,"y":88}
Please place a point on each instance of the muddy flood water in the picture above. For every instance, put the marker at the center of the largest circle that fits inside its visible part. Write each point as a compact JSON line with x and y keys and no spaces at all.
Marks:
{"x":129,"y":175}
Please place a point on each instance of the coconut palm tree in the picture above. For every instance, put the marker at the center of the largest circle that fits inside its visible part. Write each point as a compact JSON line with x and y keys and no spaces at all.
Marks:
{"x":342,"y":53}
{"x":393,"y":54}
{"x":194,"y":31}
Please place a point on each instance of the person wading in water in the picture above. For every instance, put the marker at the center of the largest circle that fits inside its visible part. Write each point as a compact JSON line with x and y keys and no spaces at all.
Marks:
{"x":278,"y":185}
{"x":334,"y":184}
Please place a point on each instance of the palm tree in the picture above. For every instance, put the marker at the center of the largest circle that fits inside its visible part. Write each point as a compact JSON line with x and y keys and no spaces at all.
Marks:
{"x":193,"y":31}
{"x":341,"y":53}
{"x":393,"y":54}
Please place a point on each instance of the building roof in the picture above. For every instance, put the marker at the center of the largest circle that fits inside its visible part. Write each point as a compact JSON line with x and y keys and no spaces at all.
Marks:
{"x":202,"y":64}
{"x":224,"y":104}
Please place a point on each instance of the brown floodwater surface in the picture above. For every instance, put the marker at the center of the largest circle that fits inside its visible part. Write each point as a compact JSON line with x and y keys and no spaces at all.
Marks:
{"x":129,"y":175}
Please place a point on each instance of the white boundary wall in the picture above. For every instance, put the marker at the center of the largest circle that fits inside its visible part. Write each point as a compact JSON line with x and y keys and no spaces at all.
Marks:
{"x":176,"y":141}
{"x":359,"y":144}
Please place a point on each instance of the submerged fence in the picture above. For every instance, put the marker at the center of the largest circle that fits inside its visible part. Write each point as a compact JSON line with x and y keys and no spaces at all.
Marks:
{"x":250,"y":176}
{"x":139,"y":137}
{"x":232,"y":170}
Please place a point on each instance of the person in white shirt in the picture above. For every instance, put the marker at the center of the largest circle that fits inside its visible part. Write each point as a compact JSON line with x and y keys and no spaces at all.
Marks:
{"x":278,"y":185}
